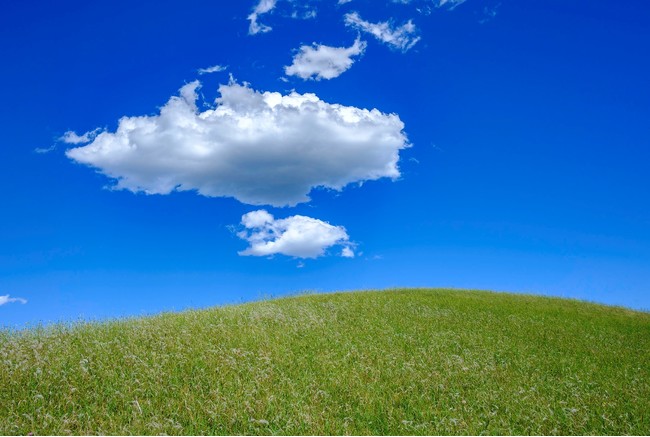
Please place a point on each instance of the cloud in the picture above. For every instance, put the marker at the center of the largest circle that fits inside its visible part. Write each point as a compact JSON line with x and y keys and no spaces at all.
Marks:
{"x":323,"y":62}
{"x":42,"y":150}
{"x":489,"y":13}
{"x":306,"y":13}
{"x":263,"y":7}
{"x":297,"y":236}
{"x":262,"y":148}
{"x":71,"y":137}
{"x":426,"y":7}
{"x":213,"y":69}
{"x":402,"y":38}
{"x":451,"y":4}
{"x":7,"y":299}
{"x":346,"y":252}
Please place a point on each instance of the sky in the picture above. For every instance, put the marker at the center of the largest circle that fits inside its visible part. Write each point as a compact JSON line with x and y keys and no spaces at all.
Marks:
{"x":157,"y":156}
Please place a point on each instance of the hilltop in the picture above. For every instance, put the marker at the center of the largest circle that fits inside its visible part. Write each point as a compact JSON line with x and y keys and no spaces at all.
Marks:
{"x":423,"y":361}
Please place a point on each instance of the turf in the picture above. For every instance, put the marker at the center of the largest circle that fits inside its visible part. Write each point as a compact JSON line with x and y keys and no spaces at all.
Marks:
{"x":380,"y":362}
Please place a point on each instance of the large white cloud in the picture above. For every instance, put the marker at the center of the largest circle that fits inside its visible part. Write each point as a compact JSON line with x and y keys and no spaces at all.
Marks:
{"x":402,"y":38}
{"x":8,"y":299}
{"x":260,"y":148}
{"x":323,"y":62}
{"x":297,"y":236}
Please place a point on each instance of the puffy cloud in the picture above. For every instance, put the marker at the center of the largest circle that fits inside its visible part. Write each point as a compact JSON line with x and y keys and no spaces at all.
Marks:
{"x":258,"y":147}
{"x":263,"y":7}
{"x":297,"y":236}
{"x":7,"y":299}
{"x":402,"y":38}
{"x":323,"y":62}
{"x":346,"y":252}
{"x":213,"y":69}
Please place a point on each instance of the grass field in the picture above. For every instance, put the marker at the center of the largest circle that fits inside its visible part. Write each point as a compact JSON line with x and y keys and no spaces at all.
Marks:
{"x":387,"y":362}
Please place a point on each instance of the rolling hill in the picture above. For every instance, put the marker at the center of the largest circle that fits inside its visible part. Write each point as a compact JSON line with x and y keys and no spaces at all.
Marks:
{"x":408,"y":361}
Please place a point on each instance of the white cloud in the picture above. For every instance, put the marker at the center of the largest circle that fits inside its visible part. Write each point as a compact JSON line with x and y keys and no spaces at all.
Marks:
{"x":213,"y":69}
{"x":7,"y":299}
{"x":71,"y":137}
{"x":451,"y":4}
{"x":324,"y":62}
{"x":402,"y":38}
{"x":342,"y":2}
{"x":346,"y":252}
{"x":297,"y":236}
{"x":258,"y":147}
{"x":42,"y":150}
{"x":305,"y":14}
{"x":263,"y":7}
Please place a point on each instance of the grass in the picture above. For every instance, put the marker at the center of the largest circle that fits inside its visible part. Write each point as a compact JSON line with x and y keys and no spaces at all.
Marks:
{"x":388,"y":362}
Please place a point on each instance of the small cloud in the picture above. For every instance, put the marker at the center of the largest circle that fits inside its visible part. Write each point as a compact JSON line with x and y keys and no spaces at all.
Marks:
{"x":304,"y":15}
{"x":297,"y":236}
{"x":402,"y":38}
{"x":213,"y":69}
{"x":8,"y":299}
{"x":71,"y":137}
{"x":263,"y":7}
{"x":342,"y":2}
{"x":42,"y":150}
{"x":489,"y":13}
{"x":449,"y":4}
{"x":347,"y":252}
{"x":324,"y":62}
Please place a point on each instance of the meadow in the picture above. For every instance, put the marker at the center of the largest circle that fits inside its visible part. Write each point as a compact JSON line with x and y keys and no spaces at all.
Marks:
{"x":408,"y":361}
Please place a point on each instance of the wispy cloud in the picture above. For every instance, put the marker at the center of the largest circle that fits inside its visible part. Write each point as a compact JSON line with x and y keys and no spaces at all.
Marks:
{"x":323,"y":62}
{"x":71,"y":137}
{"x":213,"y":69}
{"x":8,"y":299}
{"x":297,"y":236}
{"x":402,"y":37}
{"x":450,"y":4}
{"x":489,"y":13}
{"x":42,"y":150}
{"x":263,"y":7}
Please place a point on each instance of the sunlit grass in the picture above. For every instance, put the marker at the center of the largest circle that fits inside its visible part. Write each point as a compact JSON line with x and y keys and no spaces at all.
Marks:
{"x":391,"y":362}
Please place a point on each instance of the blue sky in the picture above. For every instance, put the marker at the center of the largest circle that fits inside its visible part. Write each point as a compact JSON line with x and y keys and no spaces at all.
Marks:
{"x":485,"y":144}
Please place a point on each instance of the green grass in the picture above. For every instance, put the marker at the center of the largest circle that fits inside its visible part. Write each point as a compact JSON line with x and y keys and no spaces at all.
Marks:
{"x":388,"y":362}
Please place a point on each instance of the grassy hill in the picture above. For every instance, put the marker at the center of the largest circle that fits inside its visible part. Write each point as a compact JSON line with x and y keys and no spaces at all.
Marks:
{"x":388,"y":362}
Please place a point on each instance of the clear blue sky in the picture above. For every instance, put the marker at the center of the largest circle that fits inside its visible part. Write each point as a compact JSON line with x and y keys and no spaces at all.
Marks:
{"x":522,"y":164}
